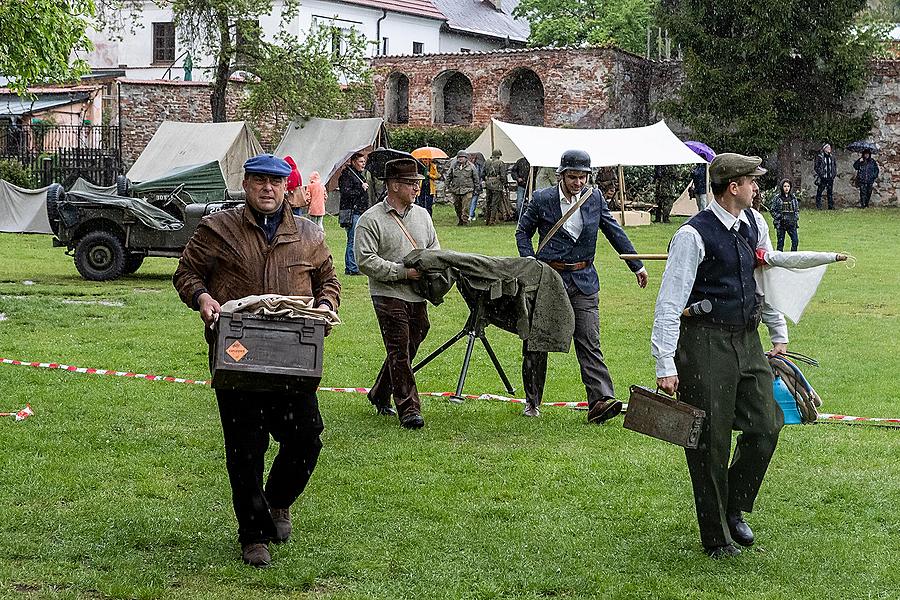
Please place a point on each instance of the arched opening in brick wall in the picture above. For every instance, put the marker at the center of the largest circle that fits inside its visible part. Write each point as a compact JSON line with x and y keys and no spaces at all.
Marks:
{"x":522,"y":97}
{"x":451,"y":94}
{"x":396,"y":98}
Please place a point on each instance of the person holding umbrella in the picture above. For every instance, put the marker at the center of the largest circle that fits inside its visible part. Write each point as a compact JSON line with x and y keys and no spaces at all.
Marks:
{"x":427,"y":155}
{"x":866,"y":174}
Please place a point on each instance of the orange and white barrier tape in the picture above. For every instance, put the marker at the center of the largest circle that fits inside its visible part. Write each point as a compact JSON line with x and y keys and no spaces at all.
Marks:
{"x":359,"y":390}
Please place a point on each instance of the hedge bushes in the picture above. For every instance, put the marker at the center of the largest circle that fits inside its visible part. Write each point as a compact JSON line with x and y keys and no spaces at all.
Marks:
{"x":13,"y":172}
{"x":449,"y":139}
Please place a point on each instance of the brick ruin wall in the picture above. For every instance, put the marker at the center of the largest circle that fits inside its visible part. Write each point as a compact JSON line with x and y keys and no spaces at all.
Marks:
{"x":581,"y":88}
{"x":596,"y":87}
{"x":144,"y":105}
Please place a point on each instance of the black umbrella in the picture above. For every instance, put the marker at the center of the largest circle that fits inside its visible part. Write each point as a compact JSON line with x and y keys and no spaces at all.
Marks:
{"x":862,"y":146}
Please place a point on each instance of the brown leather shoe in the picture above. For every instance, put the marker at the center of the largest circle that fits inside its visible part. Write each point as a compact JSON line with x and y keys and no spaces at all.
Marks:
{"x":282,"y":518}
{"x":256,"y":555}
{"x":603,"y":411}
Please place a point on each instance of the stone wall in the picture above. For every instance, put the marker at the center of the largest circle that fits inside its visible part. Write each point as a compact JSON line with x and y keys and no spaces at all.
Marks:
{"x":595,"y":87}
{"x":146,"y":104}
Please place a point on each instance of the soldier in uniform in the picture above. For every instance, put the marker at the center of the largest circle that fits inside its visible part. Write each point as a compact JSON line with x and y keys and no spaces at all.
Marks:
{"x":461,"y":182}
{"x":495,"y":174}
{"x":571,"y":251}
{"x":715,"y":361}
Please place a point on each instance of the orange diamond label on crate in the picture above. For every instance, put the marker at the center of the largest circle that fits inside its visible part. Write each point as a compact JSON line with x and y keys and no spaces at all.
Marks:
{"x":236,"y":351}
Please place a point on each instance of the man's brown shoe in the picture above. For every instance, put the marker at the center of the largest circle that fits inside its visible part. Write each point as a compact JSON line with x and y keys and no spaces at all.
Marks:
{"x":256,"y":555}
{"x":282,"y":518}
{"x":603,"y":411}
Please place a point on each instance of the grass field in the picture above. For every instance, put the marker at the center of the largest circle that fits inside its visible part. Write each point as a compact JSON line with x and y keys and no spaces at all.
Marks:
{"x":116,"y":488}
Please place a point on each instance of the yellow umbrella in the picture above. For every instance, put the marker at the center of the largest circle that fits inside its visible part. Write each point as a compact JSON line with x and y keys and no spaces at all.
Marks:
{"x":429,"y":153}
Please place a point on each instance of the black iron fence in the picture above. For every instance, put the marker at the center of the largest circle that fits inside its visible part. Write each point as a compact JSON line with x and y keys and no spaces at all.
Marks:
{"x":63,"y":153}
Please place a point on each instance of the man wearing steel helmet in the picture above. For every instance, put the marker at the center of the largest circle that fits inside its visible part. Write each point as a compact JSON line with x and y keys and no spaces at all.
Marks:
{"x":715,"y":361}
{"x":261,"y":248}
{"x":570,"y":251}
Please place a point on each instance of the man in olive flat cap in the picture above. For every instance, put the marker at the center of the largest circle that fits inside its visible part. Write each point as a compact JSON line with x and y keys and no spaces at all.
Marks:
{"x":385,"y":234}
{"x":715,"y":361}
{"x":247,"y":251}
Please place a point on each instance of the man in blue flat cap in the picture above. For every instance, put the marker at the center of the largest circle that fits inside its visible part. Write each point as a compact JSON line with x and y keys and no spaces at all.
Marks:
{"x":261,"y":248}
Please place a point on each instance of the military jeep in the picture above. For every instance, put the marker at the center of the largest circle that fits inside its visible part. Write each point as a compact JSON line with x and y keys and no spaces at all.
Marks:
{"x":109,"y":236}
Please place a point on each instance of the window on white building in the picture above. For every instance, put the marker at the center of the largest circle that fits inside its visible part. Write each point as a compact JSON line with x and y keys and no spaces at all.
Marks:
{"x":464,"y":50}
{"x":163,"y":42}
{"x":384,"y":46}
{"x":418,"y":48}
{"x":340,"y":32}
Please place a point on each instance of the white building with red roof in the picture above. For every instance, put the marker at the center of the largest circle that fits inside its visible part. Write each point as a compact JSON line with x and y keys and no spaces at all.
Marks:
{"x":154,"y":49}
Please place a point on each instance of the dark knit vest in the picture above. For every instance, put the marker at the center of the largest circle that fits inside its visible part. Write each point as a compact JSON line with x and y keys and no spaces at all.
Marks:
{"x":725,"y":276}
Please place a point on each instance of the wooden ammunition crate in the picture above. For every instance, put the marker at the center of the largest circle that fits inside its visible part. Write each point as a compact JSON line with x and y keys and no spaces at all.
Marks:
{"x":255,"y":352}
{"x":663,"y":417}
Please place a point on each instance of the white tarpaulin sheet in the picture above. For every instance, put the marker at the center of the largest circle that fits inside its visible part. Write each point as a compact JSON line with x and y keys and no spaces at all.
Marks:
{"x":790,"y":279}
{"x":542,"y":146}
{"x":325,"y":145}
{"x":182,"y":144}
{"x":22,"y":210}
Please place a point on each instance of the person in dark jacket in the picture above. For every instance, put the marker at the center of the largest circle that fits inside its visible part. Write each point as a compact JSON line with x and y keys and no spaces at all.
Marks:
{"x":866,"y":174}
{"x":570,"y":251}
{"x":354,"y":202}
{"x":241,"y":252}
{"x":785,"y":209}
{"x":826,"y":171}
{"x":698,"y":180}
{"x":521,"y":172}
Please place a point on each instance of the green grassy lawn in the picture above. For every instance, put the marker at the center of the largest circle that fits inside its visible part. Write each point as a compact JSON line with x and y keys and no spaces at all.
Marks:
{"x":116,"y":488}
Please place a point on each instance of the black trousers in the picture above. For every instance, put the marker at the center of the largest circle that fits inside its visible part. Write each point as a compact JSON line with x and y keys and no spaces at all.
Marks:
{"x":791,"y":230}
{"x":594,"y":372}
{"x":404,"y":326}
{"x":825,"y":185}
{"x":865,"y":194}
{"x":248,"y":419}
{"x":726,"y":374}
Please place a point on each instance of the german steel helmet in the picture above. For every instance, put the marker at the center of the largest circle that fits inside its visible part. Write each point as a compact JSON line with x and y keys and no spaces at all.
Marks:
{"x":574,"y":160}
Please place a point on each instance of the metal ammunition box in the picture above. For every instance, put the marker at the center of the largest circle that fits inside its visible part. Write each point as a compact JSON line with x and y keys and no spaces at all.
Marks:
{"x":664,"y":418}
{"x":255,"y":352}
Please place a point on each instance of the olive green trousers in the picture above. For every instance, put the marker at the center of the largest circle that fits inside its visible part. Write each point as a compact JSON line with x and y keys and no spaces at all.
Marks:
{"x":726,"y":373}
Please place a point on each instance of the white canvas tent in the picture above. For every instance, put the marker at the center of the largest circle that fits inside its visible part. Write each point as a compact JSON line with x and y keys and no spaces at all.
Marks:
{"x":182,"y":144}
{"x":542,"y":146}
{"x":22,"y":210}
{"x":325,"y":145}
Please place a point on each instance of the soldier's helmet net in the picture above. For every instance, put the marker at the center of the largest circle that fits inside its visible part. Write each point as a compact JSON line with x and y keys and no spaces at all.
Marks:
{"x":574,"y":160}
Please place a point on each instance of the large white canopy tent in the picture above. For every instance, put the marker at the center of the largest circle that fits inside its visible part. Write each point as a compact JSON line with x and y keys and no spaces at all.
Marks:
{"x":178,"y":144}
{"x":542,"y":146}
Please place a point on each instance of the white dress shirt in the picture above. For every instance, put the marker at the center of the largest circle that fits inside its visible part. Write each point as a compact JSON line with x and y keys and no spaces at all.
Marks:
{"x":575,"y":223}
{"x":686,"y":252}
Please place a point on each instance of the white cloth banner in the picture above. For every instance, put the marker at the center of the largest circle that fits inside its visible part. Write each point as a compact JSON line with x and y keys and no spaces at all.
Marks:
{"x":790,"y":280}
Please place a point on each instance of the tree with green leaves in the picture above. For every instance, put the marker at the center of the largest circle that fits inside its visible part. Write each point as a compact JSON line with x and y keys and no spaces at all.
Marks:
{"x":38,"y":37}
{"x":621,"y":23}
{"x":314,"y":76}
{"x":761,"y":76}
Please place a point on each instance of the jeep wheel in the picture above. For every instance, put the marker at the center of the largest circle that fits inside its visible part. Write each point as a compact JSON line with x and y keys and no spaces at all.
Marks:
{"x":123,"y":186}
{"x":133,"y":263}
{"x":100,"y":256}
{"x":55,"y":194}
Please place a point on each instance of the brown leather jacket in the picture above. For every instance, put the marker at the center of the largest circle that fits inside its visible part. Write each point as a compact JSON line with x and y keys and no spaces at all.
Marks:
{"x":228,"y":256}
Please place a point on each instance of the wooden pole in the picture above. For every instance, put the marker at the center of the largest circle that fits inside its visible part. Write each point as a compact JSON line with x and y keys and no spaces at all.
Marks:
{"x":492,"y":136}
{"x":644,"y":256}
{"x":622,"y":193}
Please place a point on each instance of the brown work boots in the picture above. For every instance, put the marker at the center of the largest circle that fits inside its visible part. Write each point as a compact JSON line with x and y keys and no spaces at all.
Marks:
{"x":256,"y":555}
{"x":282,"y":518}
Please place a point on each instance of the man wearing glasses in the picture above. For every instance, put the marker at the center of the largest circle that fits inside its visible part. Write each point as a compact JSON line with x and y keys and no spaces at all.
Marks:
{"x":261,"y":248}
{"x":385,"y":234}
